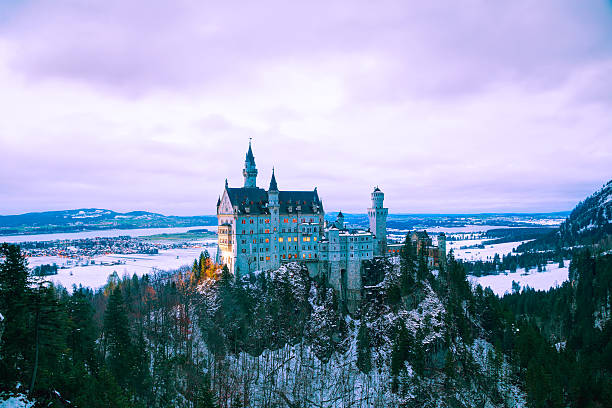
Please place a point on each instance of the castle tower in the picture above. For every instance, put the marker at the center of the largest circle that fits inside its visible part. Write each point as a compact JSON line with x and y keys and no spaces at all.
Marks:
{"x":378,"y":221}
{"x":250,"y":171}
{"x":274,"y":207}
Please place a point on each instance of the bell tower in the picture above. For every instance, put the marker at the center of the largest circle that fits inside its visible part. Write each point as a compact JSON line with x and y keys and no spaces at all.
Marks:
{"x":250,"y":171}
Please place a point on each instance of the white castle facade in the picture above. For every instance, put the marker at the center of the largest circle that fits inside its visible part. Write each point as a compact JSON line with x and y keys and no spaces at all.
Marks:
{"x":262,"y":229}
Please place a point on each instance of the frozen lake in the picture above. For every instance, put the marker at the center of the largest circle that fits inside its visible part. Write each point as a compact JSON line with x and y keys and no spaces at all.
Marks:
{"x":502,"y":283}
{"x":138,"y":232}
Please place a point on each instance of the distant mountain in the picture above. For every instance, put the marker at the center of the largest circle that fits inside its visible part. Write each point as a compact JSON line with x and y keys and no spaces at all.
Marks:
{"x":589,"y":224}
{"x":93,"y":219}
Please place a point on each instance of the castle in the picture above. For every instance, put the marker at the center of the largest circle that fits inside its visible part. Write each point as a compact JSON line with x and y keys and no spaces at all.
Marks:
{"x":261,"y":230}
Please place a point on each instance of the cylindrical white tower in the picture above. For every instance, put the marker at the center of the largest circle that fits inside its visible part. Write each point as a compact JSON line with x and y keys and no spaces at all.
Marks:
{"x":378,"y":222}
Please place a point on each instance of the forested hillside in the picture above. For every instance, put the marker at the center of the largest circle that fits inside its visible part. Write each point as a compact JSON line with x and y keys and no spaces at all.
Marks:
{"x":198,"y":338}
{"x":589,"y":224}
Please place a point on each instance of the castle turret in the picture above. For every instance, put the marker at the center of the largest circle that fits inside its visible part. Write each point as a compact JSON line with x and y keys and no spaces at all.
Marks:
{"x":378,"y":221}
{"x":250,"y":171}
{"x":273,"y":192}
{"x":340,"y":221}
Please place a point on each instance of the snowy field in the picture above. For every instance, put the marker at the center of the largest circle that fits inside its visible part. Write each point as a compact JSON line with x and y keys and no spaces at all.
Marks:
{"x":552,"y":277}
{"x":139,"y":232}
{"x":95,"y":276}
{"x":477,"y":254}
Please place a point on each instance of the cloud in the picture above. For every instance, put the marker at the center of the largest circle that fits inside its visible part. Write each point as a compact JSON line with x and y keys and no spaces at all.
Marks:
{"x":482,"y":106}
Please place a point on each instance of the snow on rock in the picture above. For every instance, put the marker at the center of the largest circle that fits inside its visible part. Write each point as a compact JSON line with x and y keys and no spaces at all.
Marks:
{"x":15,"y":401}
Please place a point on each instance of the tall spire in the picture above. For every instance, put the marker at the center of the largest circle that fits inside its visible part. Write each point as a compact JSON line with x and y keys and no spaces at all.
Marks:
{"x":273,"y":185}
{"x":250,"y":171}
{"x":249,"y":156}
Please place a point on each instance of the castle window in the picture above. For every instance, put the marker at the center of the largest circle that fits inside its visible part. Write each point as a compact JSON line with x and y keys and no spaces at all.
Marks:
{"x":267,"y":221}
{"x":267,"y":231}
{"x":243,"y":250}
{"x":243,"y":231}
{"x":244,"y":221}
{"x":284,"y":256}
{"x":289,"y":256}
{"x":250,"y":221}
{"x":251,"y":232}
{"x":261,"y":258}
{"x":315,"y":238}
{"x":274,"y":229}
{"x":286,"y":220}
{"x":304,"y":256}
{"x":267,"y":240}
{"x":254,"y":258}
{"x":254,"y":241}
{"x":280,"y":239}
{"x":295,"y":220}
{"x":267,"y":249}
{"x":267,"y":258}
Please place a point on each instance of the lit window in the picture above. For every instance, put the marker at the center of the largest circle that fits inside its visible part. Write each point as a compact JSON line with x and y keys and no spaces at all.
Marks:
{"x":304,"y":256}
{"x":310,"y":255}
{"x":267,"y":240}
{"x":295,"y":220}
{"x":286,"y":220}
{"x":315,"y":238}
{"x":251,"y":231}
{"x":244,"y":221}
{"x":267,"y":221}
{"x":280,"y":239}
{"x":267,"y":231}
{"x":254,"y":241}
{"x":267,"y":258}
{"x":274,"y":229}
{"x":250,"y":221}
{"x":289,"y":256}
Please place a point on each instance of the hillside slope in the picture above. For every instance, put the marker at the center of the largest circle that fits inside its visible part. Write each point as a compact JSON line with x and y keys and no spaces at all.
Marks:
{"x":93,"y":219}
{"x":589,"y":224}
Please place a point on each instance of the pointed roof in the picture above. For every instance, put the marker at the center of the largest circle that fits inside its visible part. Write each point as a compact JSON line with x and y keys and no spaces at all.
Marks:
{"x":219,"y":201}
{"x":273,"y":185}
{"x":376,"y":189}
{"x":249,"y":156}
{"x":340,"y":214}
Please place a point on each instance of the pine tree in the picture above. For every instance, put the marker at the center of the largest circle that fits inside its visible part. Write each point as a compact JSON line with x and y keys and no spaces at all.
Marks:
{"x":364,"y":353}
{"x":14,"y":306}
{"x":117,"y":337}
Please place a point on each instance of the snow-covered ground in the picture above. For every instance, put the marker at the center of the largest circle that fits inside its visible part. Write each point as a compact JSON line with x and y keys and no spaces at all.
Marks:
{"x":553,"y":276}
{"x":477,"y":254}
{"x":96,"y":276}
{"x":138,"y":232}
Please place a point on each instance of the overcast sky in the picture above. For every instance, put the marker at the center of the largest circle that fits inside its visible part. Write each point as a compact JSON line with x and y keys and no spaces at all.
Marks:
{"x":471,"y":106}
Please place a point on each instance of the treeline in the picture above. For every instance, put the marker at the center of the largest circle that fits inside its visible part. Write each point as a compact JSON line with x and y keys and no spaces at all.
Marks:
{"x":569,"y":347}
{"x":503,"y":235}
{"x":127,"y":345}
{"x":518,"y":261}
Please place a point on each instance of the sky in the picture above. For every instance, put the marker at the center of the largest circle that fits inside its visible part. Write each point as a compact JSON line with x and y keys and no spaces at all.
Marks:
{"x":449,"y":107}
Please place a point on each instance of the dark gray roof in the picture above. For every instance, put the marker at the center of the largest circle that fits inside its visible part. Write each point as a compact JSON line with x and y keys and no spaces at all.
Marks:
{"x":255,"y":199}
{"x":307,"y":200}
{"x":252,"y":198}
